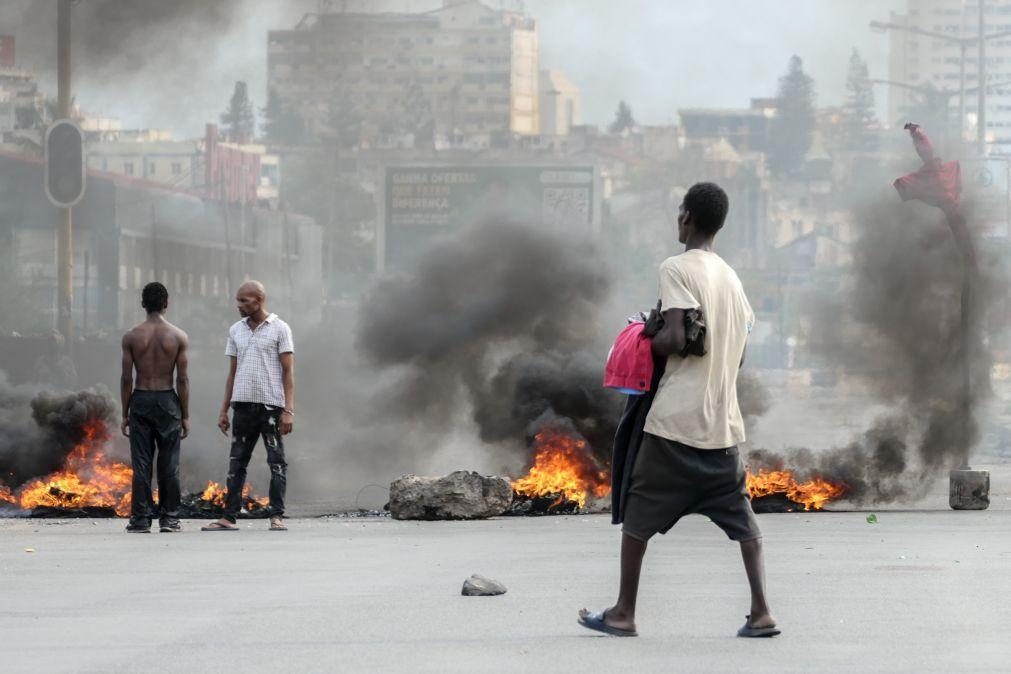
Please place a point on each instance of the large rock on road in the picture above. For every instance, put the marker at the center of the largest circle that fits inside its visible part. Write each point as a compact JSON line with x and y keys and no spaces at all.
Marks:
{"x":461,"y":495}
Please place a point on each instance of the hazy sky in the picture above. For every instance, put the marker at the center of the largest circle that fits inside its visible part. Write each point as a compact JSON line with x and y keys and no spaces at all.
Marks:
{"x":659,"y":55}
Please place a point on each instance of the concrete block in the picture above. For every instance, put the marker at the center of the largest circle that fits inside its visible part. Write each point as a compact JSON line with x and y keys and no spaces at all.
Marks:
{"x":969,"y":489}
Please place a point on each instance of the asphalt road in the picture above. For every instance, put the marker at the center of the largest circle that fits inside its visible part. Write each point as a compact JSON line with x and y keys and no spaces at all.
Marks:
{"x":922,"y":590}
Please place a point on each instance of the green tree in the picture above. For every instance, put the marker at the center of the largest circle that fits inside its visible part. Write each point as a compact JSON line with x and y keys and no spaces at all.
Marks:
{"x":281,"y":124}
{"x":790,"y":135}
{"x":313,"y":186}
{"x":858,"y":110}
{"x":239,"y":120}
{"x":930,"y":109}
{"x":413,"y":114}
{"x":623,"y":118}
{"x":344,"y":122}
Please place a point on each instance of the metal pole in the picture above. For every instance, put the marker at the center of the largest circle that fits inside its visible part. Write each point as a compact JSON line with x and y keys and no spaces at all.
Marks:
{"x":961,"y":98}
{"x":962,"y":45}
{"x":84,"y":292}
{"x":981,"y":82}
{"x":65,"y":240}
{"x":63,"y":57}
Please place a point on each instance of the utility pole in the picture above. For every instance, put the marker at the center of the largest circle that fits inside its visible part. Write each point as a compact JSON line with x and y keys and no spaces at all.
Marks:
{"x":963,"y":45}
{"x":65,"y":240}
{"x":981,"y":77}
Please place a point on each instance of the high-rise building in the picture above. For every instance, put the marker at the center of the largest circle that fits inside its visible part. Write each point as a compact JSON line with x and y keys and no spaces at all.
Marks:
{"x":462,"y":74}
{"x":560,"y":104}
{"x":924,"y":65}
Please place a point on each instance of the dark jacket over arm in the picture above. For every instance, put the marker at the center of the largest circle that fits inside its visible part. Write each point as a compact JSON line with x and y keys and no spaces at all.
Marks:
{"x":627,"y":439}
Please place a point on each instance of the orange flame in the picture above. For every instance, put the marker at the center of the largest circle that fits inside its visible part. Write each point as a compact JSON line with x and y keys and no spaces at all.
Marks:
{"x":813,"y":494}
{"x":88,"y":478}
{"x":215,"y":493}
{"x":563,"y":466}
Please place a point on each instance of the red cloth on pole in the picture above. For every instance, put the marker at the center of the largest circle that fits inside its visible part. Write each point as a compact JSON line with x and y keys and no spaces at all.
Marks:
{"x":938,"y":184}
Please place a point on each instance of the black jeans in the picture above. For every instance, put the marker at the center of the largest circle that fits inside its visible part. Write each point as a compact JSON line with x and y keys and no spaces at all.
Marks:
{"x":155,"y":422}
{"x":249,"y":421}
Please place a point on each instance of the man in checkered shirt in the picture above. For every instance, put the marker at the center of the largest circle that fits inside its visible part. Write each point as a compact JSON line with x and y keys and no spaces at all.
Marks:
{"x":261,"y":392}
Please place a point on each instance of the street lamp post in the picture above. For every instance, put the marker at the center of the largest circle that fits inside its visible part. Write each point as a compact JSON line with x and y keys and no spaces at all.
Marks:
{"x":65,"y":238}
{"x":964,"y":42}
{"x":941,"y":97}
{"x":981,"y":81}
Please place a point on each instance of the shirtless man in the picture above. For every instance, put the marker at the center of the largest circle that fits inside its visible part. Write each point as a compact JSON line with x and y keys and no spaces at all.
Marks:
{"x":153,"y":413}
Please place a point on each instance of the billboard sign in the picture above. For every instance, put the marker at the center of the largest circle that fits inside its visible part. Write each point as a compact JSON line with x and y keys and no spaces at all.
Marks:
{"x":424,"y":202}
{"x":985,"y":184}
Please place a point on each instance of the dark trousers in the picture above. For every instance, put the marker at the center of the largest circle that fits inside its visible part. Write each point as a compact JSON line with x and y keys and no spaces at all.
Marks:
{"x":155,"y":423}
{"x":250,"y":421}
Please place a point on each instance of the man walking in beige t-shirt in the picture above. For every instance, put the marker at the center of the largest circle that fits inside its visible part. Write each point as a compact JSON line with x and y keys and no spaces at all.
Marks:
{"x":688,"y":461}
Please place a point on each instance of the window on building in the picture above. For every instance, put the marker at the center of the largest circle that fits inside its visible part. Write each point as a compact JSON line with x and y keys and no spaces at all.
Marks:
{"x":151,"y":168}
{"x":177,"y":168}
{"x":128,"y":168}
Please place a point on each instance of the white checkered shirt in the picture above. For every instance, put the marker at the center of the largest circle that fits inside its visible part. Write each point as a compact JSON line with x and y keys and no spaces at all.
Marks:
{"x":258,"y":352}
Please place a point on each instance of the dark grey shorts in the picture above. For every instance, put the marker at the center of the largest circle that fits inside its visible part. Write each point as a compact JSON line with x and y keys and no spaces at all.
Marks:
{"x":671,"y":480}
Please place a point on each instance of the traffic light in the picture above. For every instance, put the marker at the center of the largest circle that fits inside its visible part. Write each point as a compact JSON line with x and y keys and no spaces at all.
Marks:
{"x":65,"y":167}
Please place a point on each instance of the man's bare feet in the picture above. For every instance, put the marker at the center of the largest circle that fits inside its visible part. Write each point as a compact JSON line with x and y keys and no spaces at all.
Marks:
{"x":221,"y":525}
{"x":277,"y":523}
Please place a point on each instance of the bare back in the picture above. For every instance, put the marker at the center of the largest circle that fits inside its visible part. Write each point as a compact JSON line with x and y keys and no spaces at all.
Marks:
{"x":155,"y":348}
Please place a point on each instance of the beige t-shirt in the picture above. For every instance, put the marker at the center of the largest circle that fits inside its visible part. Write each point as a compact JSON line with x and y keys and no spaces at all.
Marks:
{"x":696,"y":402}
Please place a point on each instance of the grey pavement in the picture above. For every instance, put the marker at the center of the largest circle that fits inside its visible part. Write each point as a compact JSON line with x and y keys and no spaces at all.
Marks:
{"x":923,"y":590}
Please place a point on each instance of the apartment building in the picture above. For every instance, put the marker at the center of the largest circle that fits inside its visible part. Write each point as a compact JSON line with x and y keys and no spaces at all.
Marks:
{"x":560,"y":104}
{"x":462,"y":75}
{"x":153,"y":156}
{"x":919,"y":61}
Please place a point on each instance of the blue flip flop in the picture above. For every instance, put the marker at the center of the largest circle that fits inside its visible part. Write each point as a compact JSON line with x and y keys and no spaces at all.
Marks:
{"x":756,"y":632}
{"x":595,"y":621}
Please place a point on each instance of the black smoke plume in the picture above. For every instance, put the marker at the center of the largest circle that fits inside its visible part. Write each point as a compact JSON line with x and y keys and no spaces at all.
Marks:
{"x":897,"y":323}
{"x":499,"y":321}
{"x":39,"y":429}
{"x":116,"y":37}
{"x":140,"y":54}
